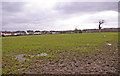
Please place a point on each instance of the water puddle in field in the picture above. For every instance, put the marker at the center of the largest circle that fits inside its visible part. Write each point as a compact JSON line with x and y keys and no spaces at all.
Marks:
{"x":109,"y":44}
{"x":42,"y":54}
{"x":22,"y":58}
{"x":32,"y":56}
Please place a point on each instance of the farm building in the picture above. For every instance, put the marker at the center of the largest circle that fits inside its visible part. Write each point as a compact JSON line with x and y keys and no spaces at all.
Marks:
{"x":37,"y":33}
{"x":18,"y":33}
{"x":6,"y":33}
{"x":48,"y":32}
{"x":90,"y":30}
{"x":53,"y":32}
{"x":111,"y":30}
{"x":71,"y":31}
{"x":102,"y":30}
{"x":65,"y":32}
{"x":43,"y":32}
{"x":30,"y":32}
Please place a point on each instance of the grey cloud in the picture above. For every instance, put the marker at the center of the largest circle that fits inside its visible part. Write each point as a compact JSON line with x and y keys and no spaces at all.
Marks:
{"x":10,"y":11}
{"x":13,"y":6}
{"x":77,"y":7}
{"x":17,"y":16}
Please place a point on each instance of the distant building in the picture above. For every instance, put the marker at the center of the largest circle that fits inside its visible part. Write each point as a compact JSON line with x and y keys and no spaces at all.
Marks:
{"x":70,"y":32}
{"x":90,"y":30}
{"x":66,"y":32}
{"x":30,"y":32}
{"x":102,"y":30}
{"x":110,"y":30}
{"x":57,"y":32}
{"x":37,"y":33}
{"x":6,"y":33}
{"x":18,"y":33}
{"x":43,"y":32}
{"x":48,"y":32}
{"x":53,"y":32}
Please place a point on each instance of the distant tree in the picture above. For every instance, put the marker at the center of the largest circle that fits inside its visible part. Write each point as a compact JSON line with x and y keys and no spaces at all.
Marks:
{"x":80,"y":31}
{"x":100,"y":22}
{"x":62,"y":32}
{"x":77,"y":31}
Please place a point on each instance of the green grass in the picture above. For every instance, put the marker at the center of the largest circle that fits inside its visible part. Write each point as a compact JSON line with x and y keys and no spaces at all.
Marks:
{"x":34,"y":44}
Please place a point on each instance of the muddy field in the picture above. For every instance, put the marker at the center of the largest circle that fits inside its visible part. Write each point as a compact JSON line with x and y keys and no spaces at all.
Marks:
{"x":67,"y":54}
{"x":99,"y":62}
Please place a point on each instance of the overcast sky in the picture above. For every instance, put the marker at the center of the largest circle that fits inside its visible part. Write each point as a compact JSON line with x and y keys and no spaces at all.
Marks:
{"x":58,"y":15}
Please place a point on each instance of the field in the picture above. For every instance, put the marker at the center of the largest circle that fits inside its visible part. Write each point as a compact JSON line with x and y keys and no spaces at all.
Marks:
{"x":84,"y":53}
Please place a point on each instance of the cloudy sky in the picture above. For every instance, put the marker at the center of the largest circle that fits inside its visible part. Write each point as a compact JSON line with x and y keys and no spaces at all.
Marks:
{"x":58,"y":15}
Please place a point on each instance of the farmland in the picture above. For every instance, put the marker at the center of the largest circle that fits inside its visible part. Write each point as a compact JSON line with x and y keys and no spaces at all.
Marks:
{"x":65,"y":53}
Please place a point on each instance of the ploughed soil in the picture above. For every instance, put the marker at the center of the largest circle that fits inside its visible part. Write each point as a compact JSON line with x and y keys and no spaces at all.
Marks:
{"x":102,"y":61}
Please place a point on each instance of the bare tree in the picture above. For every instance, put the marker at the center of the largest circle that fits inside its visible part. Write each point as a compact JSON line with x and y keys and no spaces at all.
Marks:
{"x":100,"y":22}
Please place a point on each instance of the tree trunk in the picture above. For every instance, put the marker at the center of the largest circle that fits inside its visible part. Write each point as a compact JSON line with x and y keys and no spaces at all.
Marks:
{"x":99,"y":28}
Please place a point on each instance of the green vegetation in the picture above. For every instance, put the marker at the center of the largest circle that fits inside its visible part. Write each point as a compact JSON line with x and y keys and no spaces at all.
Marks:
{"x":50,"y":44}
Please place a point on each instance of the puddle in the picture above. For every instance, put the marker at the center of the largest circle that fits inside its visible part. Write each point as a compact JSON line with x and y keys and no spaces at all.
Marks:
{"x":21,"y":56}
{"x":42,"y":54}
{"x":109,"y":44}
{"x":32,"y":56}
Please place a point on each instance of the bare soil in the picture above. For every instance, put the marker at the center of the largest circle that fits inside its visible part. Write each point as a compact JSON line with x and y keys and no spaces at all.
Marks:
{"x":76,"y":62}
